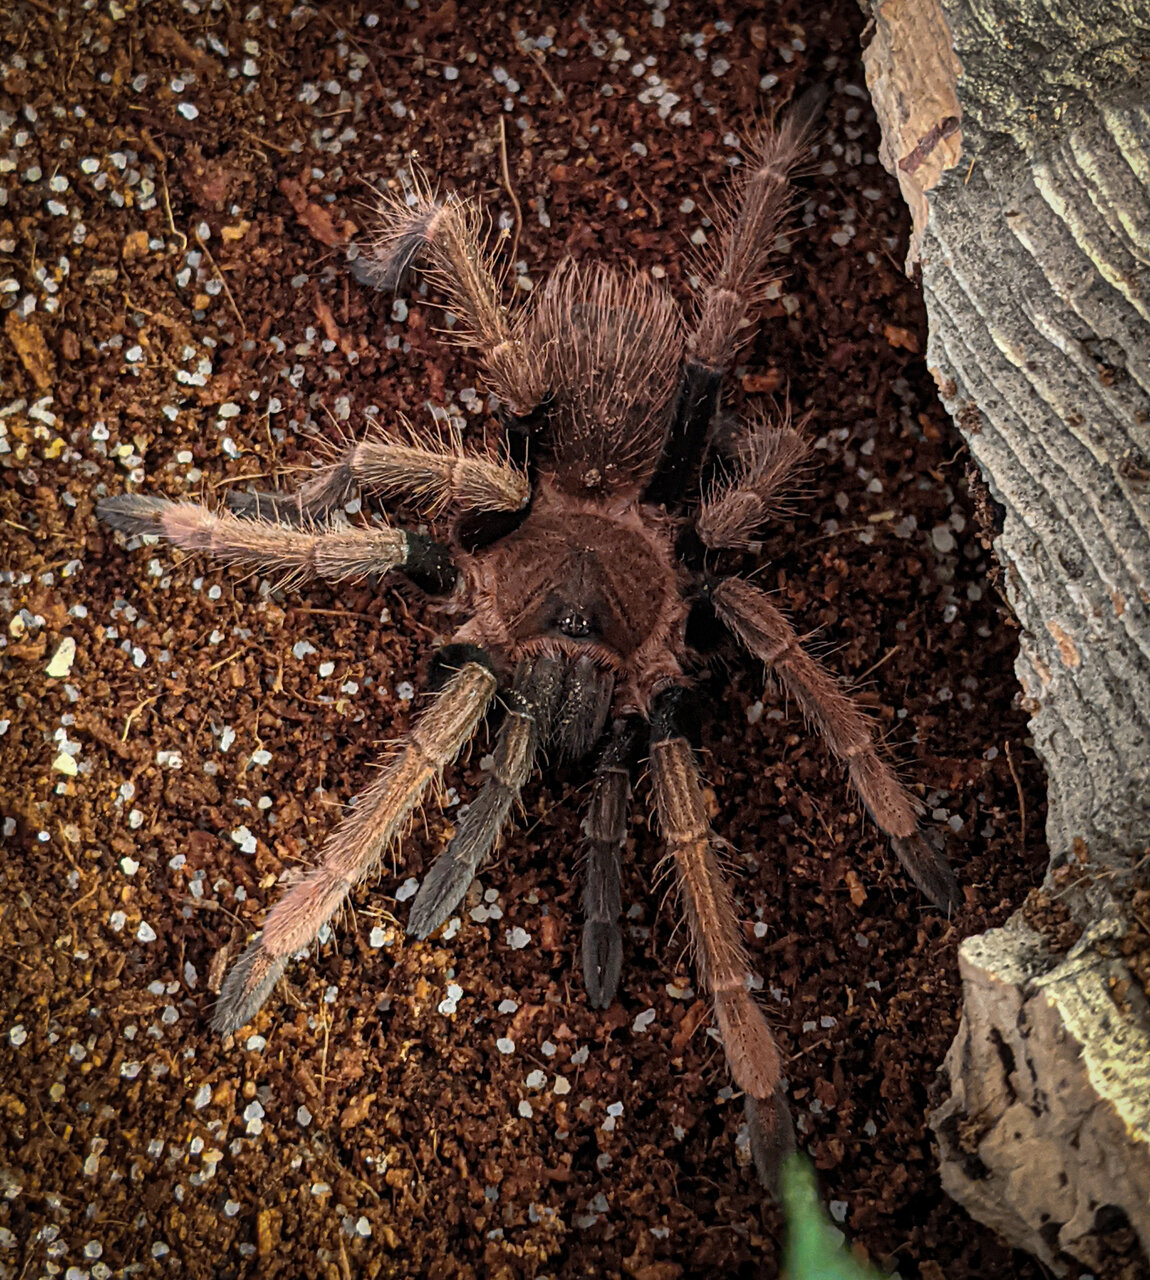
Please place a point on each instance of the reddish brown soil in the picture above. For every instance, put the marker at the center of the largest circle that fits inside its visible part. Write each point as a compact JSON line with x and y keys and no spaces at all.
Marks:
{"x":133,"y":1142}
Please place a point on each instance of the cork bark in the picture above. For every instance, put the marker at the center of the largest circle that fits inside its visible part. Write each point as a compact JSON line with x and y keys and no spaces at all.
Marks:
{"x":1020,"y":135}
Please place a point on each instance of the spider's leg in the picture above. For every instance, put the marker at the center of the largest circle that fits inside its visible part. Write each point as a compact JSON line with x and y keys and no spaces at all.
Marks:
{"x":683,"y":449}
{"x":732,"y":513}
{"x":716,"y":940}
{"x":738,"y":274}
{"x":447,"y":237}
{"x":765,"y":632}
{"x":605,"y":827}
{"x":354,"y":848}
{"x":427,"y":474}
{"x":300,"y":555}
{"x":531,"y":702}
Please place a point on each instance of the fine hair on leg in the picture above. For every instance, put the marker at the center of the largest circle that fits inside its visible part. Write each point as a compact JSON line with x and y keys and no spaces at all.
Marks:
{"x":738,"y":267}
{"x":717,"y":946}
{"x":747,"y":612}
{"x":355,"y":847}
{"x":531,"y":702}
{"x":605,"y":826}
{"x":446,"y":237}
{"x":264,"y":546}
{"x":428,"y":471}
{"x":736,"y":509}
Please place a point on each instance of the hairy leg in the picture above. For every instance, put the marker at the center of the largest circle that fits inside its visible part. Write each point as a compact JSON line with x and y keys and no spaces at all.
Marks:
{"x":300,"y":555}
{"x":733,"y":513}
{"x":530,"y":704}
{"x":447,"y":237}
{"x":717,"y":944}
{"x":738,"y":273}
{"x":766,"y":633}
{"x":354,"y":848}
{"x":605,"y":827}
{"x":429,"y":474}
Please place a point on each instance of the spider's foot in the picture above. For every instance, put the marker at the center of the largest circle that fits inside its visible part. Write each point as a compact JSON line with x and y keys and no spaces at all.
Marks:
{"x":440,"y":893}
{"x":133,"y":512}
{"x":248,"y":984}
{"x":929,"y":870}
{"x":602,"y":961}
{"x":772,"y":1135}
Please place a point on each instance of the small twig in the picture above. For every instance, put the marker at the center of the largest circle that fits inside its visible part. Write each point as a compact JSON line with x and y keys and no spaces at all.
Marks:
{"x":223,"y":281}
{"x":510,"y":190}
{"x":536,"y":55}
{"x":323,"y":1060}
{"x":263,"y":142}
{"x":223,"y":662}
{"x":1018,"y":788}
{"x":166,"y":321}
{"x":886,"y":657}
{"x":135,"y":711}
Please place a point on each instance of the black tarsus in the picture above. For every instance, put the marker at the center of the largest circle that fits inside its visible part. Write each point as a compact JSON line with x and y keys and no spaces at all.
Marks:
{"x":449,"y":659}
{"x":314,"y":501}
{"x":477,"y":529}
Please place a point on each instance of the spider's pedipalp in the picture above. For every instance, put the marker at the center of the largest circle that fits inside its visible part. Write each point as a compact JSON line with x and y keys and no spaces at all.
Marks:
{"x":531,"y":702}
{"x":299,"y":555}
{"x":731,"y":515}
{"x":605,"y":826}
{"x":318,"y":498}
{"x":748,"y":613}
{"x":717,"y":944}
{"x":355,"y":847}
{"x":402,"y":236}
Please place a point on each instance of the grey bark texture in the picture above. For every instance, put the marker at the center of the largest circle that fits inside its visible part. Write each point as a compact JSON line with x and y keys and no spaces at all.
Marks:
{"x":1020,"y":134}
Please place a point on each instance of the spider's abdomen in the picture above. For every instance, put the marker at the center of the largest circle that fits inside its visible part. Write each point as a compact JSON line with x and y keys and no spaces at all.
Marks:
{"x":579,"y":577}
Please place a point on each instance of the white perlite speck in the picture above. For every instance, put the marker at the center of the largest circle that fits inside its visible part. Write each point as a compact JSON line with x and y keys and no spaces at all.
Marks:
{"x":643,"y":1020}
{"x":203,"y":1097}
{"x":517,"y":938}
{"x":407,"y":889}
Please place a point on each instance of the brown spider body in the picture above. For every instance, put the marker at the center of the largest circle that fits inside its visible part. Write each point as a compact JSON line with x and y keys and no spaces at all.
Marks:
{"x":581,"y":578}
{"x":578,"y":552}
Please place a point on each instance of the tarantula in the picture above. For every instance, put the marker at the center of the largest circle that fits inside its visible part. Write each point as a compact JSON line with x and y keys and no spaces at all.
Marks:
{"x":576,"y":554}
